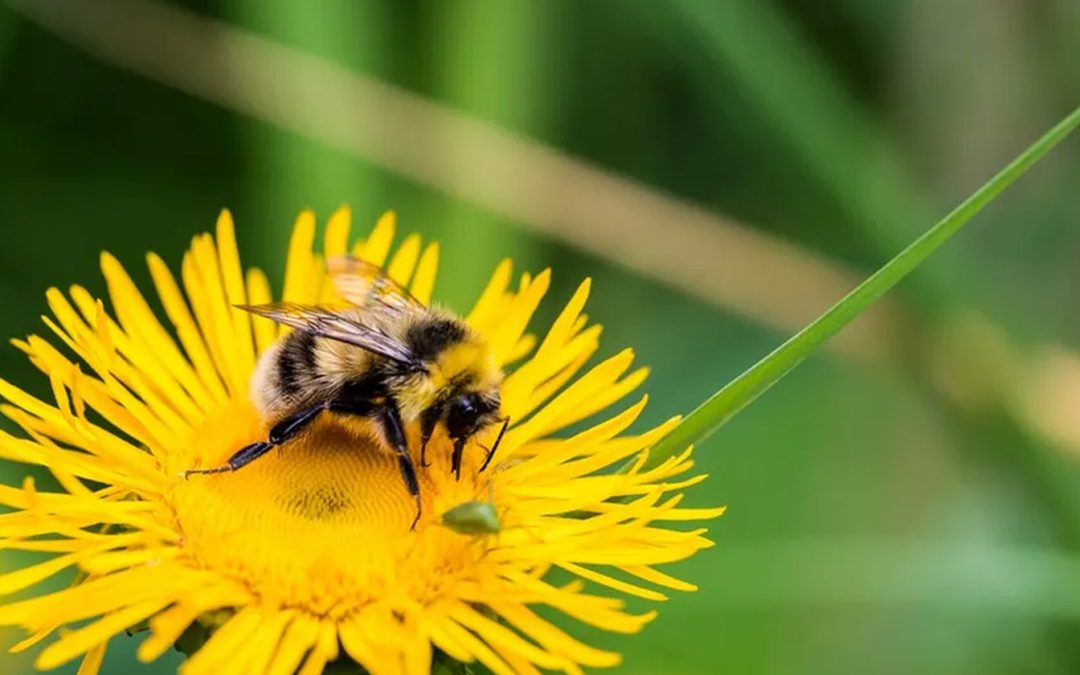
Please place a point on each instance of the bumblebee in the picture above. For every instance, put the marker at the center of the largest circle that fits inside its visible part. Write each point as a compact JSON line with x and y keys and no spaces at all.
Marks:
{"x":382,"y":356}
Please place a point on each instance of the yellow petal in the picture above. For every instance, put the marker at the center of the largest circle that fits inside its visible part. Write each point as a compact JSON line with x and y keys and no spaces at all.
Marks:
{"x":91,"y":663}
{"x":492,"y":296}
{"x":82,"y":640}
{"x":403,"y":263}
{"x":232,"y":278}
{"x":258,"y":288}
{"x":299,"y":277}
{"x":424,"y":280}
{"x":299,"y":637}
{"x":187,"y":330}
{"x":377,"y":246}
{"x":336,"y":239}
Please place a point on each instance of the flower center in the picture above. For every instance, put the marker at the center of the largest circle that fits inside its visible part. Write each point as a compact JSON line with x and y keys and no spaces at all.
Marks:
{"x":323,"y":522}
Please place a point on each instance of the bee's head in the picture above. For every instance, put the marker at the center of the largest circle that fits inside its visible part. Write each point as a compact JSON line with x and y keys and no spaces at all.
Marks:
{"x":467,"y":413}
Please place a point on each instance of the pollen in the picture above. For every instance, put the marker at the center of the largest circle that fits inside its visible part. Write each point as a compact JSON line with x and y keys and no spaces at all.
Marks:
{"x":307,"y":555}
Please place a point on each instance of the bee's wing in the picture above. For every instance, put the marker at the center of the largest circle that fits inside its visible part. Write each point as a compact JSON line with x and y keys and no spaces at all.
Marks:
{"x":366,"y":285}
{"x":331,"y":323}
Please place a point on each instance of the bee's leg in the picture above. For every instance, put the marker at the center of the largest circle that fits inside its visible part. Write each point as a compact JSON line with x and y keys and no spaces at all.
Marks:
{"x":289,"y":427}
{"x":428,"y":419}
{"x":455,"y":459}
{"x":244,"y":456}
{"x":280,"y":433}
{"x":389,"y":420}
{"x":495,"y":445}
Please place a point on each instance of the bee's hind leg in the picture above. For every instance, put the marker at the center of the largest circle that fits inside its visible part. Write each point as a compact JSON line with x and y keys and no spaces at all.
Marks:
{"x":279,"y":434}
{"x":244,"y":456}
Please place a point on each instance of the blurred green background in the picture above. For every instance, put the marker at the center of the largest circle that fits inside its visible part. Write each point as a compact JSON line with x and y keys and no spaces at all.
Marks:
{"x":906,"y":503}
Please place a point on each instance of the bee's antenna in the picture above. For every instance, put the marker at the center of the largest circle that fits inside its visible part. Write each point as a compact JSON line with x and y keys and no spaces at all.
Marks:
{"x":495,"y":445}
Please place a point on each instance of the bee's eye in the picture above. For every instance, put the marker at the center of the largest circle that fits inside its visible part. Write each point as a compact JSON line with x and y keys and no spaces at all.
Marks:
{"x":461,"y":415}
{"x":467,"y":404}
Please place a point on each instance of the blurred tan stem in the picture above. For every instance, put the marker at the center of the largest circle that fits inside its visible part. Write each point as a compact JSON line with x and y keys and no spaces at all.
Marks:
{"x":716,"y":259}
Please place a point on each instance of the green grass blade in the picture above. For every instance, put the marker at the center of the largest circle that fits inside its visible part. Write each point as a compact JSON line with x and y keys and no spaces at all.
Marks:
{"x":740,"y":392}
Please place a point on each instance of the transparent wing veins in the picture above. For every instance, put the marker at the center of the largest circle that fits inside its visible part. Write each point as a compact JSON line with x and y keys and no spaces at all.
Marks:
{"x":367,"y":285}
{"x":331,"y":323}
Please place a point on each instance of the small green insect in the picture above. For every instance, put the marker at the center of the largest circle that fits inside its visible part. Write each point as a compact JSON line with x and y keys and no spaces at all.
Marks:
{"x":473,"y":518}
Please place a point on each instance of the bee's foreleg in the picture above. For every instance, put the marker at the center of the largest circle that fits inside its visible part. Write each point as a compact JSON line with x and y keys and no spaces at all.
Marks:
{"x":495,"y":445}
{"x":388,"y":419}
{"x":455,"y":458}
{"x":428,"y":419}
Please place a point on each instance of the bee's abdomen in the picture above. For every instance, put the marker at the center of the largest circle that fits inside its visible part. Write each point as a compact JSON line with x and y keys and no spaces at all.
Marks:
{"x":296,"y":362}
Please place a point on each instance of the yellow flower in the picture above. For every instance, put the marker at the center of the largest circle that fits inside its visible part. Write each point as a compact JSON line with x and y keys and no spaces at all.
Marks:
{"x":307,"y":552}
